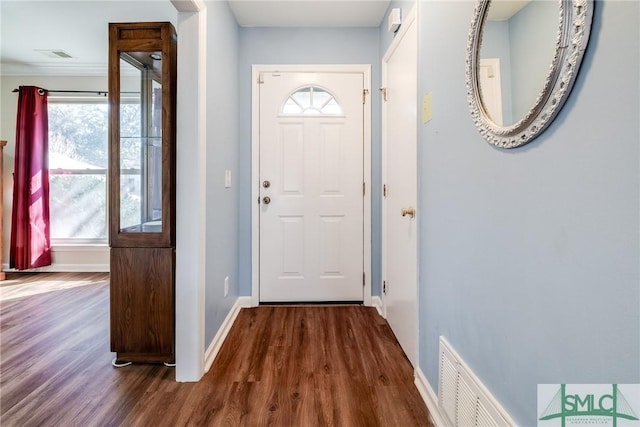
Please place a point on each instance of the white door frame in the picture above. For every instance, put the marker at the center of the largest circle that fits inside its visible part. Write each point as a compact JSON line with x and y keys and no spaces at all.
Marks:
{"x":191,"y":181}
{"x":365,"y":69}
{"x":410,"y":18}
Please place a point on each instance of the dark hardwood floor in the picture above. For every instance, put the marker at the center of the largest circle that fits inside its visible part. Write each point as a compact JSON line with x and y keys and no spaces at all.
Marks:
{"x":280,"y":366}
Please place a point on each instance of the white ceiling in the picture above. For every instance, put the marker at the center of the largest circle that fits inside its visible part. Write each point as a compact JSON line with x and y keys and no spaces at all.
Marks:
{"x":79,"y":28}
{"x":503,"y":10}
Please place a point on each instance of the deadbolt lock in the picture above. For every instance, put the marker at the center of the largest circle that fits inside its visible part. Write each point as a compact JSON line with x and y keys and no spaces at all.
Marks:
{"x":266,"y":184}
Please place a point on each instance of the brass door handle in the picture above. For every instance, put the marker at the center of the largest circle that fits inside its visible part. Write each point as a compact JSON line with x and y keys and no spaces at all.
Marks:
{"x":408,"y":211}
{"x":266,"y":200}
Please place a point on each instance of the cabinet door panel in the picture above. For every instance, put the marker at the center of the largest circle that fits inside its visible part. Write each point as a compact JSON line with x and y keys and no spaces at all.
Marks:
{"x":142,"y":303}
{"x":142,"y":134}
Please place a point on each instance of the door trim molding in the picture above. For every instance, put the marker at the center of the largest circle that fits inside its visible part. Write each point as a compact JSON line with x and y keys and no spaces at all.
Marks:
{"x":364,"y":69}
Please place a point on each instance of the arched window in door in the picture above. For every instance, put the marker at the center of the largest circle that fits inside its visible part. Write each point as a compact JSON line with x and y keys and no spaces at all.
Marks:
{"x":311,"y":100}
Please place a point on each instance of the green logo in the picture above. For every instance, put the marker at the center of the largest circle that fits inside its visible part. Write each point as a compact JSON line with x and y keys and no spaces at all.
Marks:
{"x":582,"y":405}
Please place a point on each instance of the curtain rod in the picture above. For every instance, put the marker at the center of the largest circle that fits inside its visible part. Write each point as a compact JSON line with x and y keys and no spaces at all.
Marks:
{"x":97,"y":92}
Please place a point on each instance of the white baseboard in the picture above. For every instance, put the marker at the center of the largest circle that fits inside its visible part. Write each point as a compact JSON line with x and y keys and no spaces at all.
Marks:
{"x":63,"y":268}
{"x":246,"y":302}
{"x":221,"y":335}
{"x":430,"y":398}
{"x":376,"y":301}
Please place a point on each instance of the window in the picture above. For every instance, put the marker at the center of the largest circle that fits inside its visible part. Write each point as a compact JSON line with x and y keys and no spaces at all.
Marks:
{"x":78,"y":161}
{"x":311,"y":100}
{"x":78,"y":170}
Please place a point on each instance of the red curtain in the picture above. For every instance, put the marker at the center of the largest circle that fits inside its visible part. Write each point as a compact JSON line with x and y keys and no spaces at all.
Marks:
{"x":30,"y":226}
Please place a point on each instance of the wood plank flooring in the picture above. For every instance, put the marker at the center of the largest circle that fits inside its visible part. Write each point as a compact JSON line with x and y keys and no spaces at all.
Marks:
{"x":280,"y":366}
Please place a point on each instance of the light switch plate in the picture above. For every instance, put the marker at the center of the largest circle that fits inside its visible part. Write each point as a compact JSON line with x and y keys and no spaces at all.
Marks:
{"x":227,"y":179}
{"x":427,"y":108}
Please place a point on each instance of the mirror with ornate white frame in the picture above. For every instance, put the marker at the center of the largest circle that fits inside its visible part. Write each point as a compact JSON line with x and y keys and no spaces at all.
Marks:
{"x":517,"y":106}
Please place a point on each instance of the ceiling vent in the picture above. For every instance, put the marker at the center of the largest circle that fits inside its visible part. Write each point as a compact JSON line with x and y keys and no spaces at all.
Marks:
{"x":54,"y":53}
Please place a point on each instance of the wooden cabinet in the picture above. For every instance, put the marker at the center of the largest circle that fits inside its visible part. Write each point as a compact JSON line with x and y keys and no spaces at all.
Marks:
{"x":142,"y":295}
{"x":142,"y":148}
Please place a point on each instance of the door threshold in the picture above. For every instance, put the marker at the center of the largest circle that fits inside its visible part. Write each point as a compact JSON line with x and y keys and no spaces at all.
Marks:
{"x":312,"y":303}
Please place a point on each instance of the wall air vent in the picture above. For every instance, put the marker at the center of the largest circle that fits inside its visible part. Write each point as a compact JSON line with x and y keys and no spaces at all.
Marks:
{"x":463,"y":399}
{"x":54,"y":53}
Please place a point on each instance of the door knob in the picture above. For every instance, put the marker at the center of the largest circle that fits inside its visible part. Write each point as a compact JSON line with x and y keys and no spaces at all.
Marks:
{"x":408,"y":211}
{"x":266,"y":184}
{"x":266,"y":200}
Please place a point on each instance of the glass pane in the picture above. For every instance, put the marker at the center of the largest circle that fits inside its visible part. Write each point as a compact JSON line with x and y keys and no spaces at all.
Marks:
{"x":332,"y":107}
{"x":77,"y":169}
{"x":141,"y":142}
{"x":130,"y":177}
{"x":154,"y":176}
{"x":303,"y":97}
{"x":311,"y":101}
{"x":291,"y":107}
{"x":154,"y":181}
{"x":320,"y":97}
{"x":78,"y":206}
{"x":155,"y":128}
{"x":77,"y":135}
{"x":131,"y":148}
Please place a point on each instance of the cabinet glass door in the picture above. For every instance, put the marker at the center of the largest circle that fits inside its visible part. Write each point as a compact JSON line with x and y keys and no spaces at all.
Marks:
{"x":140,"y":142}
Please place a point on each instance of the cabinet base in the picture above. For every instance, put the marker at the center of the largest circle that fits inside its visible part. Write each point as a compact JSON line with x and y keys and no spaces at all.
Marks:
{"x":126,"y":358}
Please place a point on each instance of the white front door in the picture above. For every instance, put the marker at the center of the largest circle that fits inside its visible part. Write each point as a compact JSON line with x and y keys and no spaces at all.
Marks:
{"x":311,"y":186}
{"x":400,"y":127}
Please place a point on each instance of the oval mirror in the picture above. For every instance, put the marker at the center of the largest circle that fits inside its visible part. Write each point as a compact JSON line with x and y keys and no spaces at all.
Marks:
{"x":523,"y":57}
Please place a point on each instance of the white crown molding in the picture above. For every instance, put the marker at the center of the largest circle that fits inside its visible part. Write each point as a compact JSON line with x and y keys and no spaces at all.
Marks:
{"x":52,"y":69}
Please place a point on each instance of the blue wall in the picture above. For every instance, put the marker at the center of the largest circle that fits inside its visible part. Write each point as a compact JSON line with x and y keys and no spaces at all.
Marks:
{"x":529,"y":261}
{"x":222,"y":154}
{"x":303,"y":46}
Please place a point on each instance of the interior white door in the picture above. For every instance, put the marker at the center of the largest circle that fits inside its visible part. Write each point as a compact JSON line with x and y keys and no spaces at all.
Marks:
{"x":490,"y":82}
{"x":400,"y":126}
{"x":311,"y":186}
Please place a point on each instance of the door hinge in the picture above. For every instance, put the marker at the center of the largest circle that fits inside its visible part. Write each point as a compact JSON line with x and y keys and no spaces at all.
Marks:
{"x":383,"y":90}
{"x":384,"y":287}
{"x":384,"y":190}
{"x":363,"y":280}
{"x":260,"y":79}
{"x":363,"y":188}
{"x":364,"y":95}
